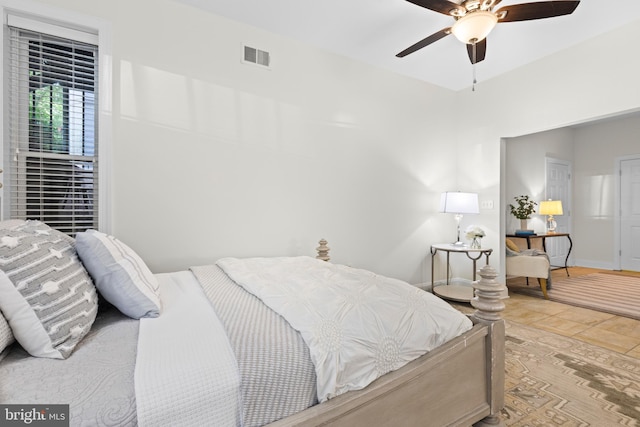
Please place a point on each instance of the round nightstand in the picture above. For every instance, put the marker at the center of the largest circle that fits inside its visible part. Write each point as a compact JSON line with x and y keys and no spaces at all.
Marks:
{"x":456,"y":292}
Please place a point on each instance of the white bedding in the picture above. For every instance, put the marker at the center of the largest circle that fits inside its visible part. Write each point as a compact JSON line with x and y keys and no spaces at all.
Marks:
{"x":176,"y":382}
{"x":358,"y":325}
{"x":186,"y":372}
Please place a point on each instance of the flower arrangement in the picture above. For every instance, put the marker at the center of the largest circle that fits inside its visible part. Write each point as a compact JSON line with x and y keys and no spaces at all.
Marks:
{"x":474,"y":231}
{"x":525,"y":207}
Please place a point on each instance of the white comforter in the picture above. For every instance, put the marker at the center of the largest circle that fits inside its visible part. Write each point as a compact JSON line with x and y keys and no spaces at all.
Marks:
{"x":358,"y":325}
{"x":186,"y":372}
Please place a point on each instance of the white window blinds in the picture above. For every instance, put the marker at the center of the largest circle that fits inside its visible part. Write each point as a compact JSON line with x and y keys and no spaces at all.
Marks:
{"x":52,"y":166}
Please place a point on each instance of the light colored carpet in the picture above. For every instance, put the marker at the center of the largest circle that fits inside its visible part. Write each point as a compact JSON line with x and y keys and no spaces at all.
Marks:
{"x":552,"y":380}
{"x":609,"y":293}
{"x":621,"y":272}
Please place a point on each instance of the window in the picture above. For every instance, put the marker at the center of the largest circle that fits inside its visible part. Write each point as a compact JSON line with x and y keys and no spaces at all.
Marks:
{"x":52,"y":165}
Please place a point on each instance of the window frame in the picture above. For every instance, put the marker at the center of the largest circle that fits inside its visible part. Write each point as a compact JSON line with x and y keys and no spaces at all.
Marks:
{"x":47,"y":19}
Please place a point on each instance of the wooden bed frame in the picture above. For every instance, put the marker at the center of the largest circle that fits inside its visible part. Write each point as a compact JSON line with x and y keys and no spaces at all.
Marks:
{"x":459,"y":384}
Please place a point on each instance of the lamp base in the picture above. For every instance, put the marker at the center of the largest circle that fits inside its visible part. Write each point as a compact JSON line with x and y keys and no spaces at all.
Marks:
{"x":458,"y":243}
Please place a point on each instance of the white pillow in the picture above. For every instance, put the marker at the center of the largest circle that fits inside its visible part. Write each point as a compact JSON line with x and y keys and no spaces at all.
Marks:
{"x":45,"y":293}
{"x":119,"y":273}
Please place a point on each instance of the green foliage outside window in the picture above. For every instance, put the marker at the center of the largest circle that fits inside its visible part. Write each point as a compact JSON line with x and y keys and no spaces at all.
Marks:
{"x":46,"y":113}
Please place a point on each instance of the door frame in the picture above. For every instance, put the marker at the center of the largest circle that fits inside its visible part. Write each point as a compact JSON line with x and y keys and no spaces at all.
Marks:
{"x":617,"y":220}
{"x":567,"y":204}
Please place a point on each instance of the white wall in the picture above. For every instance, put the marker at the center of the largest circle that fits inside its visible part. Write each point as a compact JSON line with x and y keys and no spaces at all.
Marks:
{"x":212,"y":157}
{"x":597,"y":147}
{"x":526,"y":169}
{"x":592,"y":80}
{"x":593,"y":149}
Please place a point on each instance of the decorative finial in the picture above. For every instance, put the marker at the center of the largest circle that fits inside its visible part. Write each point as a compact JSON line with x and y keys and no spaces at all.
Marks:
{"x":323,"y":250}
{"x":488,"y":299}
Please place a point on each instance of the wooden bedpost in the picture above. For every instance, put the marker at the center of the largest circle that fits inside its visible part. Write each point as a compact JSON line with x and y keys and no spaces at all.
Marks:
{"x":323,"y":251}
{"x":488,"y":304}
{"x":488,"y":296}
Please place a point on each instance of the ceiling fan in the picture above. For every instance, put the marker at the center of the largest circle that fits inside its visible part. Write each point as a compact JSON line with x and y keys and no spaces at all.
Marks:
{"x":476,"y":18}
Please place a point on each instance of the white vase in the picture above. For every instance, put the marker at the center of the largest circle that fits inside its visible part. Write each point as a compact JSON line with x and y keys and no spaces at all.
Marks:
{"x":523,"y":224}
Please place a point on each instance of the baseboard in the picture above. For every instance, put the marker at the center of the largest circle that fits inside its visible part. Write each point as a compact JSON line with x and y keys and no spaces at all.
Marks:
{"x":594,"y":264}
{"x":426,"y":286}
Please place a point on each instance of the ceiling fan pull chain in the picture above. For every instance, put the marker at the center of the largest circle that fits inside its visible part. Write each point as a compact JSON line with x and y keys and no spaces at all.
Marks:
{"x":473,"y":66}
{"x":473,"y":86}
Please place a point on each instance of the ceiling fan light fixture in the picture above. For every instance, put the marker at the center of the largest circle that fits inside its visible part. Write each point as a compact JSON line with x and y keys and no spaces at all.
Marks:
{"x":474,"y":26}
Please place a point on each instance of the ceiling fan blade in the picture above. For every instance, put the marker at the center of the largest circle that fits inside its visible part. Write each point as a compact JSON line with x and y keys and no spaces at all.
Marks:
{"x":425,"y":42}
{"x":480,"y":51}
{"x":538,"y":10}
{"x":441,"y":6}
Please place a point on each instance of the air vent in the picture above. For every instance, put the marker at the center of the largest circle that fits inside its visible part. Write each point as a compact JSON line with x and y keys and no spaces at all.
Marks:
{"x":257,"y":56}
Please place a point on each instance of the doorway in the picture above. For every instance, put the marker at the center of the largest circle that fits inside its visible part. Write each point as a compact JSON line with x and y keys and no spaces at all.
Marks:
{"x":629,"y":213}
{"x":558,"y":187}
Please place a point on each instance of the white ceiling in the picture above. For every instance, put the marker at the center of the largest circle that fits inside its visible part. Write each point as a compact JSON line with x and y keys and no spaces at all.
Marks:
{"x":374,"y":31}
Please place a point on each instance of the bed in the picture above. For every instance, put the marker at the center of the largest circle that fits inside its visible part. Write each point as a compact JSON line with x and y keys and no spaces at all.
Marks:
{"x":210,"y":345}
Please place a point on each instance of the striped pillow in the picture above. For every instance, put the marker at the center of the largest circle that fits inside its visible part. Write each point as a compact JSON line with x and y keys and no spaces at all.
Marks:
{"x":45,"y":293}
{"x":120,"y":275}
{"x":6,"y":337}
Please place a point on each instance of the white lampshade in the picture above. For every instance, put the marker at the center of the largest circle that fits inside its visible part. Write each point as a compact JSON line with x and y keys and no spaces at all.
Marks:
{"x":459,"y":203}
{"x":474,"y":26}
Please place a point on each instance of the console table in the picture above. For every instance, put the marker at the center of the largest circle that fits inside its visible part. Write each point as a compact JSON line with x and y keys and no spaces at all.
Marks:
{"x":456,"y":292}
{"x":544,"y":237}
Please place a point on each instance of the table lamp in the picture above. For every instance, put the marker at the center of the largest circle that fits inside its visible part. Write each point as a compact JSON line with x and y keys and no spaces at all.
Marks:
{"x":459,"y":203}
{"x":551,"y":208}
